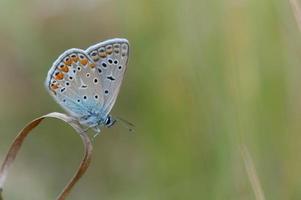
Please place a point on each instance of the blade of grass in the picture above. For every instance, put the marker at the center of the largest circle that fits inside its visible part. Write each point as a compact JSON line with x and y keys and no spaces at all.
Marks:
{"x":18,"y":141}
{"x":252,"y":174}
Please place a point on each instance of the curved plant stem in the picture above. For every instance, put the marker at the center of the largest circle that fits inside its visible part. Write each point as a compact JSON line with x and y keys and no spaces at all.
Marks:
{"x":18,"y":141}
{"x":82,"y":168}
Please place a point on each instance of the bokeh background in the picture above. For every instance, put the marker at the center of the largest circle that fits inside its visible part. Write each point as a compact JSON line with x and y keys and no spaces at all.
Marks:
{"x":204,"y":77}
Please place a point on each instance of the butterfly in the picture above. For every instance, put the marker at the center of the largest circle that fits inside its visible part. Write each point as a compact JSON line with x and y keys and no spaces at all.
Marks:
{"x":86,"y":83}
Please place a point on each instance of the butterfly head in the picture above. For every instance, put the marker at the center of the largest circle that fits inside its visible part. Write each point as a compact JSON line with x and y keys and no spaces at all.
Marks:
{"x":97,"y":120}
{"x":110,"y":121}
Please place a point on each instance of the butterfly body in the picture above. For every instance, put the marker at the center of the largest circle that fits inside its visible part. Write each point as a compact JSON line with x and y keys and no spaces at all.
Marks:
{"x":86,"y":83}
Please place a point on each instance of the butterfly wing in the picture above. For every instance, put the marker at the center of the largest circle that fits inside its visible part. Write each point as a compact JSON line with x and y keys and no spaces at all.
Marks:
{"x":111,"y":57}
{"x":73,"y":81}
{"x":86,"y":83}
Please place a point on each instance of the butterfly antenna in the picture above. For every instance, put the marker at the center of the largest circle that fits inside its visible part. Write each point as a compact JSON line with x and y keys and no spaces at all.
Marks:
{"x":127,"y":124}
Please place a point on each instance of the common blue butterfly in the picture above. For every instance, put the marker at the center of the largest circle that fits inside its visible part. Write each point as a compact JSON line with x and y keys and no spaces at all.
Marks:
{"x":86,"y":83}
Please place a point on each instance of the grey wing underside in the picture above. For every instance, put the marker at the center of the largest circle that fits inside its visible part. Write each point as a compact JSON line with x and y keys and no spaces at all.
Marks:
{"x":71,"y":82}
{"x":111,"y":57}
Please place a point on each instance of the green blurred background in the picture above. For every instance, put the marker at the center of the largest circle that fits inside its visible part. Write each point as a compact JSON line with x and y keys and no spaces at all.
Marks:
{"x":203,"y":77}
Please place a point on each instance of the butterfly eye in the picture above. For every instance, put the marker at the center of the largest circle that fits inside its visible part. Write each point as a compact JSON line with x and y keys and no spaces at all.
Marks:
{"x":102,"y":52}
{"x":96,"y":97}
{"x":110,"y":60}
{"x":79,"y":68}
{"x":99,"y":70}
{"x":106,"y":91}
{"x":78,"y":100}
{"x":85,"y":97}
{"x":88,"y":75}
{"x":120,"y":67}
{"x":67,"y":83}
{"x":95,"y":80}
{"x":70,"y":78}
{"x":109,"y":49}
{"x":115,"y":62}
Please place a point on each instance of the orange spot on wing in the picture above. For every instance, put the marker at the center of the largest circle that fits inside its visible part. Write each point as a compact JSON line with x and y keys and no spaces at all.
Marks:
{"x":64,"y":68}
{"x":74,"y":58}
{"x":59,"y":76}
{"x":83,"y":61}
{"x":54,"y":86}
{"x":92,"y":65}
{"x":68,"y":60}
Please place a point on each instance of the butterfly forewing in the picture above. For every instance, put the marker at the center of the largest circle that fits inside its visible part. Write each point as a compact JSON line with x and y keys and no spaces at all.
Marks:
{"x":111,"y":59}
{"x":73,"y":83}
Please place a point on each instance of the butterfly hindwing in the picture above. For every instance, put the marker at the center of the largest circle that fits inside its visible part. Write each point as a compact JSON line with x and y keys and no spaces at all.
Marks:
{"x":111,"y":58}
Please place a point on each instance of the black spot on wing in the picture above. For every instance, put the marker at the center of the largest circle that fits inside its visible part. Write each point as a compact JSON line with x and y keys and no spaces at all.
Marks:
{"x":111,"y":78}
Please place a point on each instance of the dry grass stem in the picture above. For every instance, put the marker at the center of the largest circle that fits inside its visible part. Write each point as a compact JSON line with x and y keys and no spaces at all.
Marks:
{"x":18,"y":141}
{"x":252,"y":174}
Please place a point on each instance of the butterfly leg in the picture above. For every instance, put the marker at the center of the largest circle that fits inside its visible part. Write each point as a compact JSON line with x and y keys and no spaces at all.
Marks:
{"x":85,"y":130}
{"x":97,"y":131}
